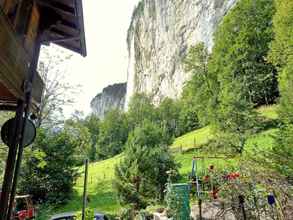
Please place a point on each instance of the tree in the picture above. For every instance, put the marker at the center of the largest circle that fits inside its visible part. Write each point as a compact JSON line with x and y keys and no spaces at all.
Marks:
{"x":198,"y":93}
{"x":281,"y":55}
{"x":81,"y":136}
{"x":245,"y":78}
{"x":140,"y":108}
{"x":168,"y":113}
{"x":241,"y":47}
{"x":50,"y":172}
{"x":142,"y":174}
{"x":92,"y":123}
{"x":57,"y":92}
{"x":113,"y":134}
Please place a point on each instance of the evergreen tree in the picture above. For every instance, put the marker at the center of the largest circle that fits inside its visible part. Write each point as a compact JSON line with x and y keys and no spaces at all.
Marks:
{"x":141,"y":176}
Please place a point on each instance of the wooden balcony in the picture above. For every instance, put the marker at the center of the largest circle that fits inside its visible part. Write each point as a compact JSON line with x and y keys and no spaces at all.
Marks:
{"x":14,"y":67}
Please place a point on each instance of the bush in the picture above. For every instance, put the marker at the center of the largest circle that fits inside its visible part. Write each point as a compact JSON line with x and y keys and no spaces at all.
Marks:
{"x":50,"y":172}
{"x":89,"y":214}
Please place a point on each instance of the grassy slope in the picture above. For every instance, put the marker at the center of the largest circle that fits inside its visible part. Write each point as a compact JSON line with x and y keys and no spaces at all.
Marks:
{"x":101,"y":174}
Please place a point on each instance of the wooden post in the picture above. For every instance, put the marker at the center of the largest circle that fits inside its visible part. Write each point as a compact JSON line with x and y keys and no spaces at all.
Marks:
{"x":241,"y":206}
{"x":28,"y":97}
{"x":200,"y":209}
{"x":10,"y":163}
{"x":85,"y":189}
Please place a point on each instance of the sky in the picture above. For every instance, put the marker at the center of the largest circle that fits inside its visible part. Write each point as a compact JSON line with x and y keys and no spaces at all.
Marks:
{"x":106,"y":24}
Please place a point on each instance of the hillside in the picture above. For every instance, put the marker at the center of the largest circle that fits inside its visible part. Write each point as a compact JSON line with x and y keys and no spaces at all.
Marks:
{"x":101,"y":174}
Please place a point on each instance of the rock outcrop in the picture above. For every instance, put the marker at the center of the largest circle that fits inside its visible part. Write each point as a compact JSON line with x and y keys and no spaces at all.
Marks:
{"x":160,"y":33}
{"x":112,"y":97}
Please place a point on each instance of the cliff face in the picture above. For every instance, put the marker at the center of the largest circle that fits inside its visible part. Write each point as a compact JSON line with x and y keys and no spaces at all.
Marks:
{"x":160,"y":33}
{"x":112,"y":97}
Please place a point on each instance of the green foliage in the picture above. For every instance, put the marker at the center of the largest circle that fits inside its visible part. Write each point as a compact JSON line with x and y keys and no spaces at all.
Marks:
{"x":199,"y":93}
{"x":81,"y":137}
{"x":281,"y":47}
{"x":244,"y":76}
{"x":282,"y":56}
{"x":168,"y":113}
{"x":188,"y":118}
{"x":141,"y":176}
{"x":140,"y":108}
{"x":113,"y":134}
{"x":241,"y":46}
{"x":173,"y":203}
{"x":92,"y":123}
{"x":235,"y":118}
{"x":50,"y":172}
{"x":89,"y":214}
{"x":127,"y":213}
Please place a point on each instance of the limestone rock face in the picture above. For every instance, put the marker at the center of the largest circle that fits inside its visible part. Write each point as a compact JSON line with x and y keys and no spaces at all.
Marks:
{"x":160,"y":33}
{"x":112,"y":97}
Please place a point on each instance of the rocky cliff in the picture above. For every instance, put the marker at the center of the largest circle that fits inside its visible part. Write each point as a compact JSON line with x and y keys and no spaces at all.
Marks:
{"x":112,"y":97}
{"x":160,"y":33}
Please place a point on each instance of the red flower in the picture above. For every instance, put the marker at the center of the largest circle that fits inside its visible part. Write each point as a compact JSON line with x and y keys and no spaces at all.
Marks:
{"x":206,"y":178}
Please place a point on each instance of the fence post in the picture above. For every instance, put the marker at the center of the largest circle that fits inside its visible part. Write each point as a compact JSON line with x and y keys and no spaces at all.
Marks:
{"x":85,"y":189}
{"x":241,"y":205}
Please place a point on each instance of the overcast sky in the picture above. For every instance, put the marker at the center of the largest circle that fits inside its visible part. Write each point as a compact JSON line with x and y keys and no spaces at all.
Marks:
{"x":106,"y":24}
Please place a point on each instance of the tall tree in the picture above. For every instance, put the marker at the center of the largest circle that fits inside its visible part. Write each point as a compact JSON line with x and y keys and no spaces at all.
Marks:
{"x":200,"y":92}
{"x":241,"y":47}
{"x":282,"y":56}
{"x":245,"y":78}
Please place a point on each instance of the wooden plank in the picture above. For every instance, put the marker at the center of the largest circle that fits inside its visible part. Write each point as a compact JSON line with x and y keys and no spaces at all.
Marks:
{"x":32,"y":30}
{"x":14,"y":63}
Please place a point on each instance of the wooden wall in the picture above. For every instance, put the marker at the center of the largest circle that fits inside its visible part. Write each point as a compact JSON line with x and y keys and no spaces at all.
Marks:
{"x":14,"y":61}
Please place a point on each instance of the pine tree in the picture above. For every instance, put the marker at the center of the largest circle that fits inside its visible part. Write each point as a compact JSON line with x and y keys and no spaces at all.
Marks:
{"x":142,"y":174}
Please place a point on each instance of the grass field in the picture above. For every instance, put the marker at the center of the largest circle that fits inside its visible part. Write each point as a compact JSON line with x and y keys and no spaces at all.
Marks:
{"x":100,"y":191}
{"x":193,"y":139}
{"x":101,"y":174}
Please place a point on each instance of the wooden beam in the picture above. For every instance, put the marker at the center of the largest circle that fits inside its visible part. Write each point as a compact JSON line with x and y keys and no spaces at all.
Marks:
{"x":67,"y":29}
{"x":59,"y":40}
{"x":61,"y":11}
{"x":79,"y":13}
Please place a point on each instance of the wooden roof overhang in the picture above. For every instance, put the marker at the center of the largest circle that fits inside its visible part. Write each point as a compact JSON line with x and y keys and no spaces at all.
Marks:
{"x":61,"y":22}
{"x":67,"y":27}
